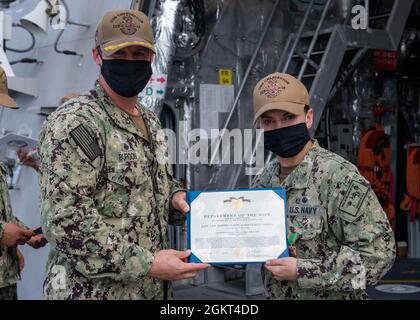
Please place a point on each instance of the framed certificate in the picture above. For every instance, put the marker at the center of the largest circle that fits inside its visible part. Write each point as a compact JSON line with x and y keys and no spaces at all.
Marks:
{"x":237,"y":226}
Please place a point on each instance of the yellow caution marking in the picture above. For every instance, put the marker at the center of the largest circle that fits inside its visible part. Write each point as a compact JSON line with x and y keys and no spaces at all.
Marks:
{"x":225,"y":77}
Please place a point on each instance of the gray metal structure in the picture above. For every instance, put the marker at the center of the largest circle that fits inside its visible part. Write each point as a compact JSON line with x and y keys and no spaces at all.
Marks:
{"x":344,"y":37}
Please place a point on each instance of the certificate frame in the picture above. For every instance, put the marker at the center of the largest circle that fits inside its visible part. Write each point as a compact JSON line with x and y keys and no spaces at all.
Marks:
{"x":192,"y":195}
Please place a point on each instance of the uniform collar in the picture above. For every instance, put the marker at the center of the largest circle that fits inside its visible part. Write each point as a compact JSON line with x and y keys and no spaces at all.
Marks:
{"x":117,"y":115}
{"x":299,"y":177}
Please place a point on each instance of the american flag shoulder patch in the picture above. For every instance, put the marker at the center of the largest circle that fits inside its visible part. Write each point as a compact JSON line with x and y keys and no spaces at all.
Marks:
{"x":86,"y":142}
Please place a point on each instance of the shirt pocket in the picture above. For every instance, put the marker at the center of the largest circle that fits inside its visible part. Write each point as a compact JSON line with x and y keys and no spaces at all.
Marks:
{"x":129,"y":190}
{"x":306,"y":226}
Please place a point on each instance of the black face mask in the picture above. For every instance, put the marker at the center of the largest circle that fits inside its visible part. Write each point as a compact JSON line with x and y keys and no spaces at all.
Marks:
{"x":287,"y":142}
{"x":126,"y":77}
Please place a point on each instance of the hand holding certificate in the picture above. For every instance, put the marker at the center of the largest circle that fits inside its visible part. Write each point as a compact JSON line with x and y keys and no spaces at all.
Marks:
{"x":237,"y":227}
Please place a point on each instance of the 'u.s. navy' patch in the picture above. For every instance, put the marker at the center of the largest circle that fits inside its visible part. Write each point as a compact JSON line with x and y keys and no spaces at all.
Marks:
{"x":354,"y":198}
{"x":86,"y":142}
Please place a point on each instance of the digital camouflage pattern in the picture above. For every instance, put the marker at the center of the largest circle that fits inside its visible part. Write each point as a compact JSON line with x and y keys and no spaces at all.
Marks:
{"x":344,"y":243}
{"x":9,"y":262}
{"x":8,"y":293}
{"x":104,"y":201}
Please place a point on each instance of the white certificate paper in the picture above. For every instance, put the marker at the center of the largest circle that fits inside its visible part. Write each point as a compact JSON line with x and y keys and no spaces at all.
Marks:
{"x":237,"y":227}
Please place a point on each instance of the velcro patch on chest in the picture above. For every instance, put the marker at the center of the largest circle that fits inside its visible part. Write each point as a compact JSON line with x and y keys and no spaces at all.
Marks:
{"x":86,"y":142}
{"x":306,"y":210}
{"x":354,"y":198}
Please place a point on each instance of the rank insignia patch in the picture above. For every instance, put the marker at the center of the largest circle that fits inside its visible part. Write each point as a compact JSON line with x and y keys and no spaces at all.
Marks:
{"x":354,"y":198}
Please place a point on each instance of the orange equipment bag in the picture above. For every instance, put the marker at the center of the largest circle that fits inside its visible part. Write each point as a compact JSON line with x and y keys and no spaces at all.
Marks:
{"x":411,"y":200}
{"x":374,"y":163}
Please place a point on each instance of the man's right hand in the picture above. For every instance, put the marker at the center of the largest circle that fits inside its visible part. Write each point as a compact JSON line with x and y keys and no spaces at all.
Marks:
{"x":14,"y":235}
{"x":37,"y":241}
{"x":172,"y":265}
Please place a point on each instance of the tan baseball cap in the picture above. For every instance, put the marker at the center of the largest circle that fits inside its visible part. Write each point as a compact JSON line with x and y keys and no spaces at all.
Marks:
{"x":68,"y":97}
{"x":5,"y":99}
{"x":280,"y":91}
{"x":123,"y":28}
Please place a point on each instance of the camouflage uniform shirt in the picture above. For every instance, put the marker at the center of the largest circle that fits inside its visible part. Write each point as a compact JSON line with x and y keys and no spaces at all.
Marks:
{"x":104,"y":200}
{"x":344,"y":240}
{"x":9,"y":262}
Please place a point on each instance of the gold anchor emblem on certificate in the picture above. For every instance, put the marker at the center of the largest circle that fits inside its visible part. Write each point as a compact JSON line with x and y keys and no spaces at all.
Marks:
{"x":237,"y":203}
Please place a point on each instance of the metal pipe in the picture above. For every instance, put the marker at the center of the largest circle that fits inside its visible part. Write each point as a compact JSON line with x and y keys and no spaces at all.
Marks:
{"x":175,"y":115}
{"x":178,"y":237}
{"x":146,"y":6}
{"x":22,"y":50}
{"x":254,"y":151}
{"x":367,"y":13}
{"x":381,"y":16}
{"x":269,"y":157}
{"x":67,"y":52}
{"x":283,"y":55}
{"x":152,"y":6}
{"x":78,"y":24}
{"x":349,"y":14}
{"x":299,"y":34}
{"x":398,"y":18}
{"x":314,"y":39}
{"x":136,"y":5}
{"x":307,"y":58}
{"x":327,"y":125}
{"x":248,"y":71}
{"x":348,"y":72}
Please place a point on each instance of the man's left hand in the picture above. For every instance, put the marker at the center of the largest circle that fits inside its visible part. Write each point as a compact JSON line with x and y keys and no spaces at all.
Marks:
{"x":179,"y":202}
{"x":283,"y":269}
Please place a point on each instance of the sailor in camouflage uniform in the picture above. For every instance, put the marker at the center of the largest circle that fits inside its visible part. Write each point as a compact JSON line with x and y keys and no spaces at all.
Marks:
{"x":12,"y":231}
{"x":339,"y":236}
{"x":105,"y":187}
{"x":11,"y":259}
